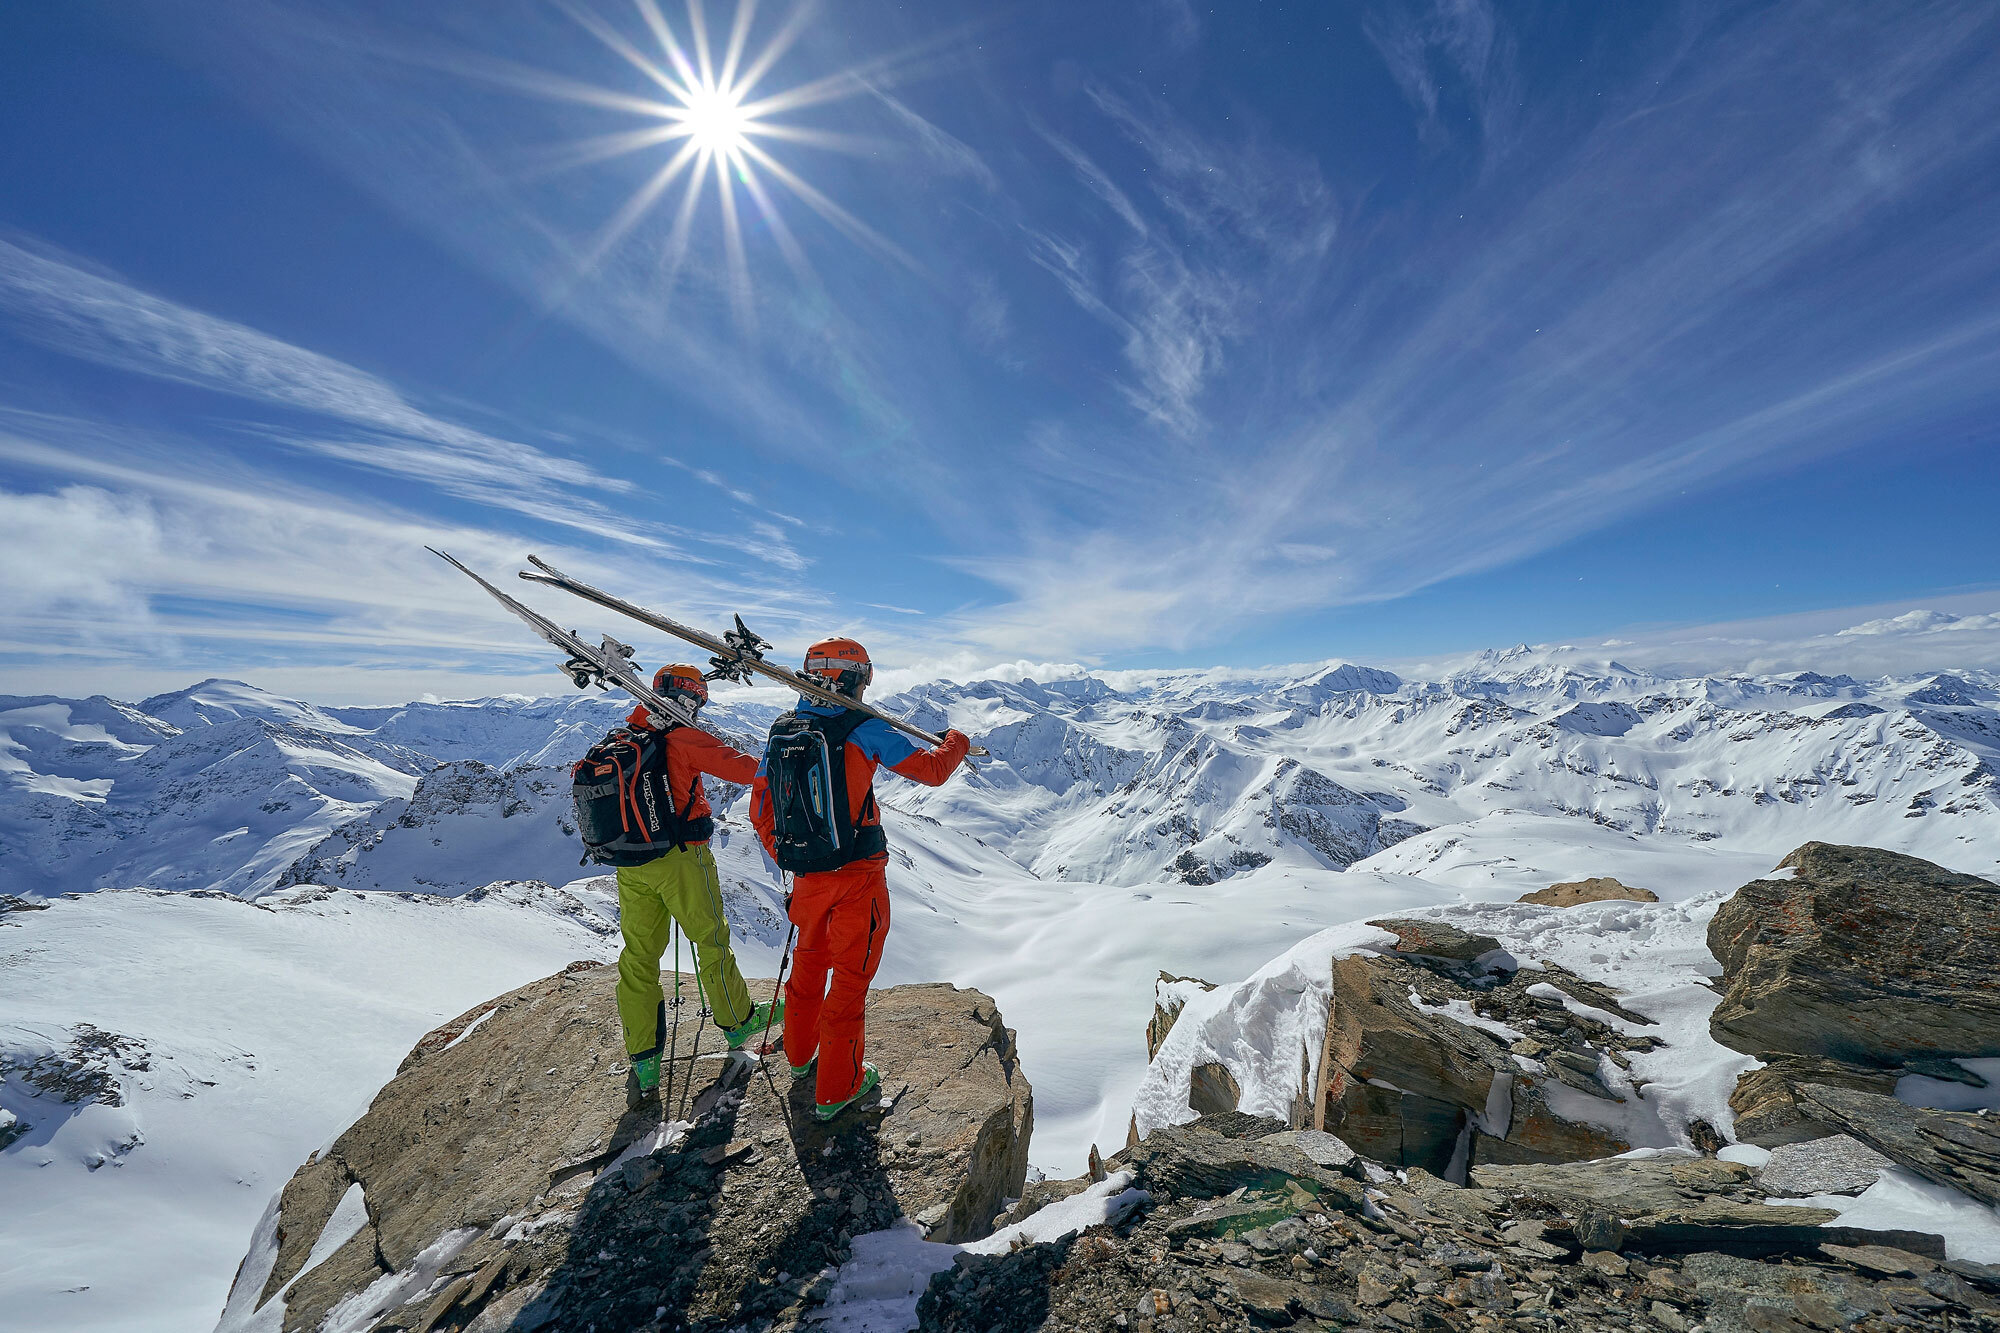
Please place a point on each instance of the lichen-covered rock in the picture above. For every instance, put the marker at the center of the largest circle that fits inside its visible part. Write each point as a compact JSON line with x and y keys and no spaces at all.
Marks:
{"x":507,"y":1186}
{"x":1837,"y":1164}
{"x":1863,"y":956}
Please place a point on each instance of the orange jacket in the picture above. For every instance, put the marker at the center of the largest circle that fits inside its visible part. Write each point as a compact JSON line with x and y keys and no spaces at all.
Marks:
{"x":692,"y":752}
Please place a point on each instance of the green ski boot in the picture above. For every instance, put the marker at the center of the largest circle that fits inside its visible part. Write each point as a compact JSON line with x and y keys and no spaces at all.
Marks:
{"x":642,"y":1082}
{"x":761,"y":1017}
{"x":870,"y":1078}
{"x":801,"y":1071}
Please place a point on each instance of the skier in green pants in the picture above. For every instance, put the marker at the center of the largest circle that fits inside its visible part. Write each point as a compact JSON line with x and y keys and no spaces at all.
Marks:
{"x":679,"y":885}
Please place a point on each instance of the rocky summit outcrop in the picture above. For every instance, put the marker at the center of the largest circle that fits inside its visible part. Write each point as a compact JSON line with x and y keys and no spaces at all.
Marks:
{"x":1243,"y":1228}
{"x":1863,"y":956}
{"x":1863,"y":968}
{"x":1598,"y":889}
{"x":1444,"y":1054}
{"x":499,"y":1182}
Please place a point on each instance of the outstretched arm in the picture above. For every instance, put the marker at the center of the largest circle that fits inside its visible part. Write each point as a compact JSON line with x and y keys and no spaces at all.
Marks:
{"x":891,"y":749}
{"x":706,"y":754}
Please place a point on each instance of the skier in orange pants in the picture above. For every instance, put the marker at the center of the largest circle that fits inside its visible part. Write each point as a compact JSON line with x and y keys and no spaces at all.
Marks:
{"x":814,"y":806}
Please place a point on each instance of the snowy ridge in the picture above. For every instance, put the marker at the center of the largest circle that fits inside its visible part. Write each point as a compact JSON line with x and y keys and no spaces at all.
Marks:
{"x":227,"y":787}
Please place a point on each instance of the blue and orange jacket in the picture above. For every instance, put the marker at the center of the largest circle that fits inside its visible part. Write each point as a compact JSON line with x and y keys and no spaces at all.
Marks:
{"x":874,"y":743}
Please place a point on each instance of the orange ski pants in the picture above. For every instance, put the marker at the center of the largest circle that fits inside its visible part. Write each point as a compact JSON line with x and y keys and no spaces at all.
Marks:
{"x":843,"y":918}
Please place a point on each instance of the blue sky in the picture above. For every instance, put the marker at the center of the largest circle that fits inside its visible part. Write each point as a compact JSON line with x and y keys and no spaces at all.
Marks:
{"x":1132,"y":335}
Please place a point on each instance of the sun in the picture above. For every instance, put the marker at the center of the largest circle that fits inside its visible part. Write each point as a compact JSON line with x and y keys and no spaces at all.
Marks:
{"x":708,"y":115}
{"x":716,"y":122}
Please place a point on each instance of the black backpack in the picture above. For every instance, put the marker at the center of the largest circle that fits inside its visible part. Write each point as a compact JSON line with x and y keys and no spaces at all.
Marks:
{"x":624,"y":808}
{"x":805,"y":771}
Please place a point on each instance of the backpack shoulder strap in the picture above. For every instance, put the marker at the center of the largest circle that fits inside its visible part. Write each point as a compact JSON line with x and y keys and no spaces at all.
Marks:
{"x":838,"y":729}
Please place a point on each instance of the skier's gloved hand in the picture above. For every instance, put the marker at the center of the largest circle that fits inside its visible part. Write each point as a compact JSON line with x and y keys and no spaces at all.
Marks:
{"x":956,"y":743}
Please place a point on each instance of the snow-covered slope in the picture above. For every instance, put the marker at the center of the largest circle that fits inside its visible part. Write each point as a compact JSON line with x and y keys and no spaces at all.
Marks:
{"x":207,"y":1046}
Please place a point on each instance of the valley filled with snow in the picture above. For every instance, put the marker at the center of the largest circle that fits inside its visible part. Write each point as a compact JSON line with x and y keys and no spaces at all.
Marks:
{"x":234,"y":913}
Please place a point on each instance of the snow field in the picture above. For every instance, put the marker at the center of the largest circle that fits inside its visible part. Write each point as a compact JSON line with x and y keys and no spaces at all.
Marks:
{"x":269,"y":1028}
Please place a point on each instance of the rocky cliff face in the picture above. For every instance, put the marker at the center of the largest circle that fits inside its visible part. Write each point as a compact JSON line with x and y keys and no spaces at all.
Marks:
{"x":498,"y":1180}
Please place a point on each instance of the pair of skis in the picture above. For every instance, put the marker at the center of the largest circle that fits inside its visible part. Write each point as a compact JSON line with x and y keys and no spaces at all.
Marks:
{"x":736,"y":655}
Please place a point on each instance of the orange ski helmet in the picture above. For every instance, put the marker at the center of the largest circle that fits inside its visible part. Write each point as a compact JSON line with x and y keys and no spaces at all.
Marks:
{"x":680,"y":681}
{"x":841,"y":665}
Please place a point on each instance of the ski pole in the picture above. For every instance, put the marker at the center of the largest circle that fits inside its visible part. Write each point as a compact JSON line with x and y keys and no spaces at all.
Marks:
{"x":784,"y":961}
{"x":674,"y":1041}
{"x":701,"y":1019}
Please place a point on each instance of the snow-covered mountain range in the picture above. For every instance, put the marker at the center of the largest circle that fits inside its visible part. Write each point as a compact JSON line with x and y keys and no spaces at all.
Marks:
{"x":222,"y":786}
{"x":1176,"y":821}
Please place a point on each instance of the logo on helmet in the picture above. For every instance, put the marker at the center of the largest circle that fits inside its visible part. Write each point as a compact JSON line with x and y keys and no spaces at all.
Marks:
{"x":840,"y":664}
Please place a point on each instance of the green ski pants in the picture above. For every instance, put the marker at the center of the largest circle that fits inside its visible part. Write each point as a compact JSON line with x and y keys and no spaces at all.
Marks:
{"x":680,"y":886}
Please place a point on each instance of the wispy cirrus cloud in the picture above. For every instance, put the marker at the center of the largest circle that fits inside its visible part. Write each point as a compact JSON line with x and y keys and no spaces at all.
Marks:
{"x":180,"y":557}
{"x":943,"y":150}
{"x":1440,"y":49}
{"x":65,"y":305}
{"x":1221,"y":231}
{"x":1629,"y":322}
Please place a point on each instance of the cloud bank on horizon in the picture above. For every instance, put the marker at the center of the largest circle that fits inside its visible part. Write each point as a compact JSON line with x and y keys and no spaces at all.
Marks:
{"x":1052,"y":338}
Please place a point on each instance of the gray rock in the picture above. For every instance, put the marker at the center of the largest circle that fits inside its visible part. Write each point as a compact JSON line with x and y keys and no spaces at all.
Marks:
{"x":1241,"y":1125}
{"x":1328,"y":1150}
{"x":1743,"y":1294}
{"x":1834,"y":1165}
{"x":1677,"y":1207}
{"x":1984,"y":1276}
{"x":1437,"y":939}
{"x":1954,"y":1148}
{"x":1629,"y":1186}
{"x":1191,"y":1162}
{"x":1767,"y":1107}
{"x":1864,"y":956}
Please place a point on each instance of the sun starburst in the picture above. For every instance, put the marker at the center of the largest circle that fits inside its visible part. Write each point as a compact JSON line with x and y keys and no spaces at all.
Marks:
{"x":707,"y":115}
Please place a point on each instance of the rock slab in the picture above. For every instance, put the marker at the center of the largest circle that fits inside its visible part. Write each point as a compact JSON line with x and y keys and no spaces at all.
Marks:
{"x":1407,"y":1084}
{"x":1863,"y":956}
{"x":507,"y":1186}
